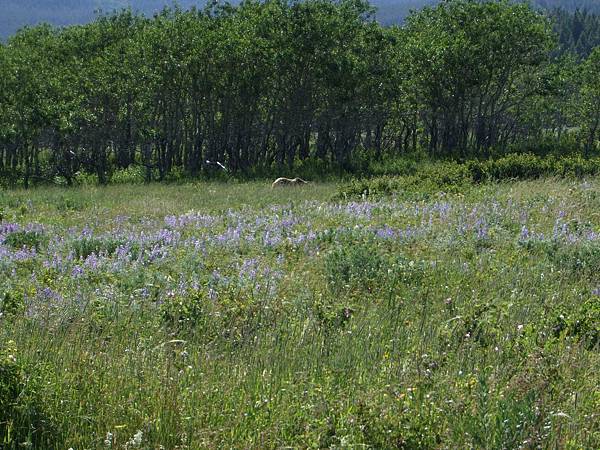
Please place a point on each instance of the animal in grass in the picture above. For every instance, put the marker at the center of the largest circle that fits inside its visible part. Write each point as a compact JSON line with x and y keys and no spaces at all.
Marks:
{"x":288,"y":182}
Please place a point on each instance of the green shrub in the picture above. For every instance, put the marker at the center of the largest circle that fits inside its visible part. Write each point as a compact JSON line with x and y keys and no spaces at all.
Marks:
{"x":11,"y":303}
{"x":394,"y":167}
{"x":514,"y":166}
{"x":30,"y":239}
{"x":576,"y":166}
{"x":175,"y":175}
{"x":10,"y":177}
{"x":447,"y":177}
{"x":86,"y":179}
{"x":67,"y":204}
{"x":546,"y":145}
{"x":185,"y":311}
{"x":581,"y":324}
{"x":440,"y":177}
{"x":352,"y":266}
{"x":86,"y":246}
{"x":312,"y":169}
{"x":130,"y":175}
{"x":579,"y":258}
{"x":528,"y":166}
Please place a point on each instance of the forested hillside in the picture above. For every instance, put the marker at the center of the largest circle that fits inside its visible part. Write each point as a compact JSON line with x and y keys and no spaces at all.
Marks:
{"x":16,"y":13}
{"x":569,"y":5}
{"x":578,"y":32}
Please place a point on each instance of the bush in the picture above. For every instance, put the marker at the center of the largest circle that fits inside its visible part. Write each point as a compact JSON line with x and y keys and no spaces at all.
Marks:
{"x":130,"y":175}
{"x":529,"y":166}
{"x":453,"y":177}
{"x":30,"y":239}
{"x":577,"y":258}
{"x":577,"y":166}
{"x":175,"y":175}
{"x":397,"y":167}
{"x":86,"y":246}
{"x":312,"y":169}
{"x":352,"y":266}
{"x":67,"y":204}
{"x":11,"y":303}
{"x":185,"y":312}
{"x":10,"y":177}
{"x":581,"y":324}
{"x":86,"y":179}
{"x":447,"y":177}
{"x":440,"y":177}
{"x":514,"y":166}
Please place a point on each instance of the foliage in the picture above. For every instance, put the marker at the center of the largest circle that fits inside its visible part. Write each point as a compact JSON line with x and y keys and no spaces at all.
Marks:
{"x":228,"y":315}
{"x":263,"y":88}
{"x":22,"y":420}
{"x":12,"y":303}
{"x":32,"y":239}
{"x":578,"y":31}
{"x":354,"y":265}
{"x":590,"y":100}
{"x":483,"y":68}
{"x":453,"y":177}
{"x":129,"y":175}
{"x":423,"y":179}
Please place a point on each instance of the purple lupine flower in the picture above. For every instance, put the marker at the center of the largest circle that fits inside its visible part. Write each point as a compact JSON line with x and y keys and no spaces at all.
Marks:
{"x":47,"y":294}
{"x":24,"y":254}
{"x":385,"y":233}
{"x":91,"y":262}
{"x":249,"y":270}
{"x":481,"y":228}
{"x":171,"y":221}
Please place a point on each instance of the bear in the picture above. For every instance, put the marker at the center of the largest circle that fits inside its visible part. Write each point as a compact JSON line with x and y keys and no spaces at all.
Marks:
{"x":288,"y":182}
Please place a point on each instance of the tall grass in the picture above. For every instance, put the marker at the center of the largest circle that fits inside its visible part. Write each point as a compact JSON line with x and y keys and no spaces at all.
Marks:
{"x":236,"y":316}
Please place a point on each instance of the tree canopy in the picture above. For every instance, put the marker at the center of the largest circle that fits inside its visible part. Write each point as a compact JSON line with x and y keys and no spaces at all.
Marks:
{"x":272,"y":84}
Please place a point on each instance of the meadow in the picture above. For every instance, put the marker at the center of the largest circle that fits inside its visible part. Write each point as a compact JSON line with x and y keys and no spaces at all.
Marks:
{"x":213,"y":315}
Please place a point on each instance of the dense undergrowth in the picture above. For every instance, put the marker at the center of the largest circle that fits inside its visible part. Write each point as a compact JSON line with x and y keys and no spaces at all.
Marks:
{"x":428,"y":178}
{"x":236,"y":316}
{"x":366,"y":173}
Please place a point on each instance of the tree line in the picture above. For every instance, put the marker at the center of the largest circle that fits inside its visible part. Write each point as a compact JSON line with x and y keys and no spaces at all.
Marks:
{"x":268,"y":85}
{"x":578,"y":32}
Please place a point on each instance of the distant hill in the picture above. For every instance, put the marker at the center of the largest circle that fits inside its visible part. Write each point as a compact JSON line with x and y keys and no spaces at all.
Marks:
{"x":15,"y":14}
{"x":394,"y":11}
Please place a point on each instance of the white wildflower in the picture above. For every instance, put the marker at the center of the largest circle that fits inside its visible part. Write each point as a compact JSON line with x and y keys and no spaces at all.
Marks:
{"x":109,"y":440}
{"x":136,"y":440}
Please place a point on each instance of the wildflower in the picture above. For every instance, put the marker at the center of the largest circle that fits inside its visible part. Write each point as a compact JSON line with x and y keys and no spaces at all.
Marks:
{"x":77,"y":271}
{"x":136,"y":440}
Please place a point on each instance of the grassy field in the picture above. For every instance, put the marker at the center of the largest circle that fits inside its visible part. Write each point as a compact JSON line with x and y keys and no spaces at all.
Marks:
{"x":236,"y":316}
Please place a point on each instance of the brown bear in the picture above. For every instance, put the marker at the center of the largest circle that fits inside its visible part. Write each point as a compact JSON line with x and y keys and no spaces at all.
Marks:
{"x":288,"y":182}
